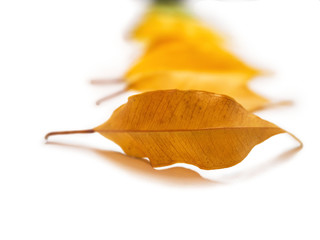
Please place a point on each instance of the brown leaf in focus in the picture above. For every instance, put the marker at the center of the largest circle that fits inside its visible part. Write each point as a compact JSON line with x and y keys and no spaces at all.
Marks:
{"x":208,"y":130}
{"x":204,"y":129}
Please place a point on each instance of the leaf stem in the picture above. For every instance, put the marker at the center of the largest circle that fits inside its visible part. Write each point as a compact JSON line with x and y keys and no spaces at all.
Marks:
{"x":68,"y":132}
{"x":106,"y":81}
{"x":110,"y":96}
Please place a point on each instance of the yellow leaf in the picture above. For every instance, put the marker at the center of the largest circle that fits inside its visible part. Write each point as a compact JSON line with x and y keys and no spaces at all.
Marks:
{"x":159,"y":23}
{"x":186,"y":81}
{"x":183,"y":54}
{"x":204,"y":129}
{"x":184,"y":66}
{"x":180,"y":56}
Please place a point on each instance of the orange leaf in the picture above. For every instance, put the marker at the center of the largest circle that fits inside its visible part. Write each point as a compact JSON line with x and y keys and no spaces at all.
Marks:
{"x":204,"y":129}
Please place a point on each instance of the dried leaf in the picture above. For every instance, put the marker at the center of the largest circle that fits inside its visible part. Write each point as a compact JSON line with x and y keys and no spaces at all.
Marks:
{"x":204,"y":129}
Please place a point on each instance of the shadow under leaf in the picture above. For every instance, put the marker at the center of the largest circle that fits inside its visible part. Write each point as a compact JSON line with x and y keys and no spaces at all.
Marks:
{"x":262,"y":168}
{"x":179,"y":175}
{"x":174,"y":175}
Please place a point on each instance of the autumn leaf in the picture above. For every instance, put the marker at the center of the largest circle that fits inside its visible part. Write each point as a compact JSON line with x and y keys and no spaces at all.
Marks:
{"x":186,"y":57}
{"x":173,"y":21}
{"x":168,"y":21}
{"x":208,"y":130}
{"x":166,"y":81}
{"x":185,"y":66}
{"x":179,"y":42}
{"x":183,"y":54}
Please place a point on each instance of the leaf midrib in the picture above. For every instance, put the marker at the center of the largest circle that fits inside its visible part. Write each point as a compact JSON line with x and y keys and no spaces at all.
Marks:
{"x":184,"y":130}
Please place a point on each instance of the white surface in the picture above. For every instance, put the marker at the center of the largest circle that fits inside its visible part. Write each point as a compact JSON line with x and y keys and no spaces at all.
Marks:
{"x":49,"y":50}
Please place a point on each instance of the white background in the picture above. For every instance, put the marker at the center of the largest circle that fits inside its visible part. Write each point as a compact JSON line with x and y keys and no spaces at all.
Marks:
{"x":49,"y":50}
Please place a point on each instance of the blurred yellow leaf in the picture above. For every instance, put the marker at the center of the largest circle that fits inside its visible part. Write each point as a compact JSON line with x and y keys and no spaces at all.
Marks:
{"x":173,"y":22}
{"x":182,"y":53}
{"x":185,"y":66}
{"x":246,"y":97}
{"x":185,"y":57}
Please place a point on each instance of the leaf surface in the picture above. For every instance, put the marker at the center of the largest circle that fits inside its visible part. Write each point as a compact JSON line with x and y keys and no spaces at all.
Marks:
{"x":178,"y":56}
{"x":204,"y":129}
